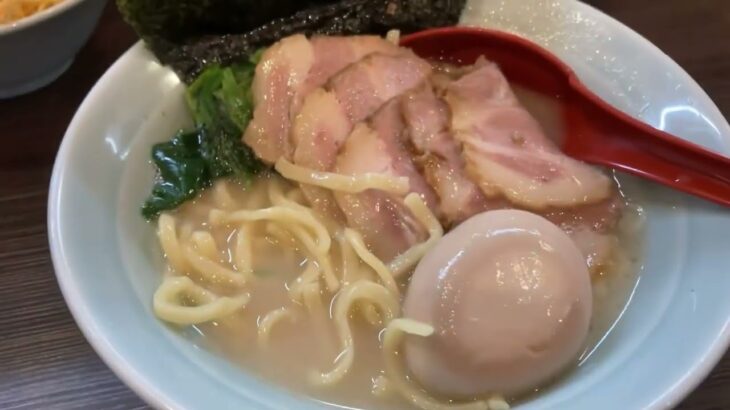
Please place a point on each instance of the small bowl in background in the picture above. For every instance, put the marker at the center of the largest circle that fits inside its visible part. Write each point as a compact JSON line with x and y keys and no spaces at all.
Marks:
{"x":36,"y":50}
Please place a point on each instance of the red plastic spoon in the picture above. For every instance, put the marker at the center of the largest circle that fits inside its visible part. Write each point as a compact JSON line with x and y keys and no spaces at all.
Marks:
{"x":596,"y":132}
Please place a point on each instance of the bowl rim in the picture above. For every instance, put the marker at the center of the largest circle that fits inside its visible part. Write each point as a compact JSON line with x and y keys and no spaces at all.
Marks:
{"x":68,"y":285}
{"x":38,"y":17}
{"x":150,"y":394}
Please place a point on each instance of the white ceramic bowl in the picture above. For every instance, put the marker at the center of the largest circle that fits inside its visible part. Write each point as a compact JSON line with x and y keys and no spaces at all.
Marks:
{"x":36,"y":50}
{"x":107,"y":258}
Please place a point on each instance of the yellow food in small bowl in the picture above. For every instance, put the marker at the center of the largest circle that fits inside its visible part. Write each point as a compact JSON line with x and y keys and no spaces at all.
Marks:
{"x":14,"y":10}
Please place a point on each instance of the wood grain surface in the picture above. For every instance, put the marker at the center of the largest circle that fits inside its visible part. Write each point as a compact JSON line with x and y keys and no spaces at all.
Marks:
{"x":45,"y":363}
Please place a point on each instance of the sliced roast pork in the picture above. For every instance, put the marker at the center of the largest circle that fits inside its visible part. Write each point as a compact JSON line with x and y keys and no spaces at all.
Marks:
{"x":281,"y":72}
{"x":355,"y":105}
{"x":590,"y":227}
{"x":319,"y":131}
{"x":506,"y":151}
{"x":329,"y":114}
{"x":333,"y":53}
{"x":439,"y":156}
{"x":287,"y":72}
{"x":387,"y":226}
{"x":390,"y":127}
{"x":509,"y":156}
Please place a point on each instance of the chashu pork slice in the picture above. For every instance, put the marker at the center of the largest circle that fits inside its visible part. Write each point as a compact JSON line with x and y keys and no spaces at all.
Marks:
{"x":329,"y":114}
{"x":590,"y":226}
{"x":508,"y":155}
{"x":386,"y":224}
{"x":287,"y":72}
{"x":439,"y":157}
{"x":506,"y":151}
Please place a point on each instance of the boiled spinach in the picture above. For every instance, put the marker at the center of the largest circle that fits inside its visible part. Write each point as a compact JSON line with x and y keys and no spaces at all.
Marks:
{"x":221,"y":105}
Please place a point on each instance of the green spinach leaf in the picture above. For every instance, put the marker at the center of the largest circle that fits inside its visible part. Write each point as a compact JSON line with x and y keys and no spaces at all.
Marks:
{"x":183,"y":172}
{"x":221,"y":105}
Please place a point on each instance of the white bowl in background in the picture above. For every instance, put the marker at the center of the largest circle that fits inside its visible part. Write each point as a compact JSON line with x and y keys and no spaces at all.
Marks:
{"x":108,"y":261}
{"x":36,"y":50}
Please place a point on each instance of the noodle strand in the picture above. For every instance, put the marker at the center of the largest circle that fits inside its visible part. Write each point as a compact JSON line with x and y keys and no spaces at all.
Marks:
{"x":407,"y":260}
{"x":355,"y":239}
{"x":371,"y":291}
{"x":396,"y":374}
{"x":205,"y":243}
{"x":271,"y":319}
{"x":243,"y":251}
{"x":343,"y":183}
{"x":276,"y":213}
{"x":167,"y":234}
{"x":167,"y":306}
{"x":211,"y":271}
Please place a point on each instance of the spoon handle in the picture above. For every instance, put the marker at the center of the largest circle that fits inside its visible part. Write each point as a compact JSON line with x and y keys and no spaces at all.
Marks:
{"x":604,"y":135}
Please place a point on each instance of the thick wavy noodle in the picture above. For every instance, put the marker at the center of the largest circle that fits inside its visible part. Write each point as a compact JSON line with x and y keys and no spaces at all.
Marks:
{"x":374,"y":294}
{"x":179,"y":300}
{"x":270,"y":320}
{"x":255,"y":267}
{"x":342,"y":183}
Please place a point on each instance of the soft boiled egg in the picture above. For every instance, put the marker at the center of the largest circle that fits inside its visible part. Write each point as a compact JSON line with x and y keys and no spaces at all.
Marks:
{"x":509,"y":296}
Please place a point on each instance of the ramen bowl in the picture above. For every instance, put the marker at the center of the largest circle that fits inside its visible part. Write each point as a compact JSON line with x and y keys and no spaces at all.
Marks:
{"x":39,"y":48}
{"x":671,"y":332}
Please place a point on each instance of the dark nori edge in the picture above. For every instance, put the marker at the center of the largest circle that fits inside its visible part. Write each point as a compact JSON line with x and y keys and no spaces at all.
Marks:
{"x":189,"y":57}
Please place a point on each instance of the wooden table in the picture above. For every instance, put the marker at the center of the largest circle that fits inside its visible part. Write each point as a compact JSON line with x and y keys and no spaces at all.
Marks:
{"x":45,"y":361}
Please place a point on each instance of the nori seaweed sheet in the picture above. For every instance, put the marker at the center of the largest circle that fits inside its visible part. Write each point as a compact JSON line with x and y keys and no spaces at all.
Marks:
{"x":189,"y":55}
{"x":174,"y":21}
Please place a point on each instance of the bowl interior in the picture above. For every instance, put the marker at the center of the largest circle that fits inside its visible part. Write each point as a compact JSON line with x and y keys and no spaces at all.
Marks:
{"x":108,"y":260}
